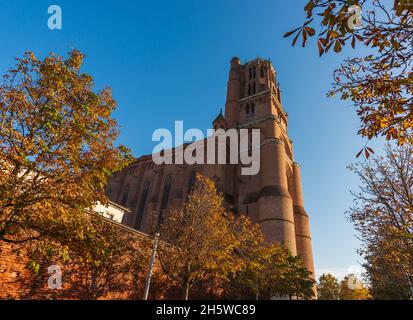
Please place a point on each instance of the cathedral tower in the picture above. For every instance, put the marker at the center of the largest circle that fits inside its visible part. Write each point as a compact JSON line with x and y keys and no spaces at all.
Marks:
{"x":273,"y":197}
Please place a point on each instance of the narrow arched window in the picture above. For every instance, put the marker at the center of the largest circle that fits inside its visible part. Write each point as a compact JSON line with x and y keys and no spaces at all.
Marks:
{"x":191,"y":182}
{"x":249,"y":89}
{"x":262,"y":71}
{"x":252,"y":107}
{"x":247,"y":109}
{"x":254,"y":72}
{"x":254,"y":88}
{"x":142,"y":205}
{"x":165,"y":200}
{"x":250,"y":73}
{"x":125,"y":195}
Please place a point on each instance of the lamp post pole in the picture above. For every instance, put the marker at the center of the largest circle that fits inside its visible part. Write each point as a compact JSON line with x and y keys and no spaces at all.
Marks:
{"x":148,"y":279}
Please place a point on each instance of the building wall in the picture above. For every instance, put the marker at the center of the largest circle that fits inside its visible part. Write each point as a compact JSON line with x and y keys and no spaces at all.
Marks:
{"x":123,"y":279}
{"x":272,"y":198}
{"x":111,"y":211}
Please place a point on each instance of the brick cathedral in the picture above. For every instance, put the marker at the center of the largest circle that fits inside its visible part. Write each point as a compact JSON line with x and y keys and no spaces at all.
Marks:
{"x":273,"y":197}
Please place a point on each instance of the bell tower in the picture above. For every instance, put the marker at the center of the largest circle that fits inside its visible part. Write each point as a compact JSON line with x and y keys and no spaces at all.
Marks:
{"x":273,"y":198}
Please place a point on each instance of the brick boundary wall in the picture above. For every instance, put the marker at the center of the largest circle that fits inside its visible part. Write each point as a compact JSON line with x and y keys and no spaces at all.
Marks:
{"x":122,"y":280}
{"x":17,"y":281}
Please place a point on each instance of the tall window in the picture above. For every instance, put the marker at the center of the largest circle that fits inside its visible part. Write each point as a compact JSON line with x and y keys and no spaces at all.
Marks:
{"x":249,"y":89}
{"x":191,"y":181}
{"x":125,"y":195}
{"x":248,"y":108}
{"x":252,"y":107}
{"x":250,"y":73}
{"x":142,"y":205}
{"x":254,"y":72}
{"x":254,"y":88}
{"x":165,"y":199}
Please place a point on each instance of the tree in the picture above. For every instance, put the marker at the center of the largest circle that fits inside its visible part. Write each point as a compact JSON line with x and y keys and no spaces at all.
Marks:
{"x":116,"y":263}
{"x":265,"y":270}
{"x":383,"y":217}
{"x":380,"y":84}
{"x":56,"y":153}
{"x":250,"y":252}
{"x":351,"y":288}
{"x":328,"y":287}
{"x":203,"y":242}
{"x":288,"y":276}
{"x":199,"y":239}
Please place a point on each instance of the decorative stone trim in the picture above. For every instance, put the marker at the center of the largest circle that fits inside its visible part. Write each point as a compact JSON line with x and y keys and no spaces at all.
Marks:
{"x":276,"y":219}
{"x":303,"y":236}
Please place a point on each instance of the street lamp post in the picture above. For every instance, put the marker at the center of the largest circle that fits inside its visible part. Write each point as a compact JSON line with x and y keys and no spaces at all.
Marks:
{"x":148,"y":279}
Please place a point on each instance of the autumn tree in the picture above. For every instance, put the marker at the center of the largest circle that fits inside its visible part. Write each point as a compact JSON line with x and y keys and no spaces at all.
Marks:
{"x":383,"y":216}
{"x":328,"y":287}
{"x":380,"y":84}
{"x":198,"y":237}
{"x":265,"y":270}
{"x":57,"y":150}
{"x":204,"y":241}
{"x":250,"y":249}
{"x":352,"y":288}
{"x":285,"y":275}
{"x":120,"y":264}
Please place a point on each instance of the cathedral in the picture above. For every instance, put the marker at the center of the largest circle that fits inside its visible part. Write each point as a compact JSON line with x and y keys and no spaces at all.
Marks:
{"x":272,"y":197}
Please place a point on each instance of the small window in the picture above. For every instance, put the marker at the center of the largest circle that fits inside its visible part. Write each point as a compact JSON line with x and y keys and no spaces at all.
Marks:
{"x":254,"y":72}
{"x":252,"y":107}
{"x":254,"y":88}
{"x":250,"y":73}
{"x":249,"y":89}
{"x":248,"y":109}
{"x":262,"y":71}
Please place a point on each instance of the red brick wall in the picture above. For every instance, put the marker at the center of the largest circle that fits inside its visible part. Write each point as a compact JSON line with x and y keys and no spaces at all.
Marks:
{"x":122,"y":278}
{"x":16,"y":280}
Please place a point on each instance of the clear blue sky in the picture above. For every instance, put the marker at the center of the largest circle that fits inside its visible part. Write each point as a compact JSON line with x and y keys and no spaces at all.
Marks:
{"x":169,"y":60}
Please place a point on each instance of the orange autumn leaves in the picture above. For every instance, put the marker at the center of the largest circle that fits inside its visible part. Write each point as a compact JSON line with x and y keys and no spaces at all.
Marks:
{"x":208,"y":244}
{"x":380,"y":85}
{"x":56,"y":150}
